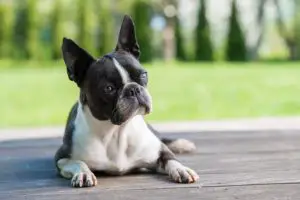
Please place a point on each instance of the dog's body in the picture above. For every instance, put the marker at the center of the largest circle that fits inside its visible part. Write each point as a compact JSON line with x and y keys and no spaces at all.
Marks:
{"x":112,"y":148}
{"x":106,"y":130}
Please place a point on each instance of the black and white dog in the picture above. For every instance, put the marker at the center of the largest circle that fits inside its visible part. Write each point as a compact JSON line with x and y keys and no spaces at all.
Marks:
{"x":105,"y":130}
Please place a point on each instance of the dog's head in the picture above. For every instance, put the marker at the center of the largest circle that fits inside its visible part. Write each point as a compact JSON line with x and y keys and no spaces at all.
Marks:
{"x":114,"y":87}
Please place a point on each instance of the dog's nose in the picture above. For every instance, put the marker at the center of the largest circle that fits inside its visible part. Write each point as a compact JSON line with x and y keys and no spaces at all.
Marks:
{"x":133,"y":91}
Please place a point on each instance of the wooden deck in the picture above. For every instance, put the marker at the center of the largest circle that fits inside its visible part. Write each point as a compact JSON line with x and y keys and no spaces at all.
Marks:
{"x":259,"y":165}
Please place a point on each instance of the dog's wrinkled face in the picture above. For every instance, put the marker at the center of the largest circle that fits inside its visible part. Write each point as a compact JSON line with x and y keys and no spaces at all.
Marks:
{"x":114,"y":87}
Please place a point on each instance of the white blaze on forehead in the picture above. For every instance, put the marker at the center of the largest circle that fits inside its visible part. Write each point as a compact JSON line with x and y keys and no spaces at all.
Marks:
{"x":123,"y":73}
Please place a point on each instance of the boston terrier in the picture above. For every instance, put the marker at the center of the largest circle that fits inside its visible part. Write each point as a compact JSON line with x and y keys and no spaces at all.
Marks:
{"x":106,"y":130}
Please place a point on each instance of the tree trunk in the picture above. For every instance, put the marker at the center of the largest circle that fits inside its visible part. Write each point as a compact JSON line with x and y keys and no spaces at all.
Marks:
{"x":168,"y":32}
{"x":253,"y":51}
{"x":169,"y":46}
{"x":289,"y":39}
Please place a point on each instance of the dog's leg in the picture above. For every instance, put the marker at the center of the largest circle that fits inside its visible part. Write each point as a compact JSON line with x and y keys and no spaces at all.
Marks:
{"x":77,"y":171}
{"x":179,"y":173}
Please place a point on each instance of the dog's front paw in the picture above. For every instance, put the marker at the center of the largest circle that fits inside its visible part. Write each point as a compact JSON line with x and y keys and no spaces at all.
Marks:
{"x":84,"y":179}
{"x":180,"y":173}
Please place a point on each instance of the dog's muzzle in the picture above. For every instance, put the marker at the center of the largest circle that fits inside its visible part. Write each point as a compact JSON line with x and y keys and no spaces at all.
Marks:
{"x":141,"y":95}
{"x":134,"y":100}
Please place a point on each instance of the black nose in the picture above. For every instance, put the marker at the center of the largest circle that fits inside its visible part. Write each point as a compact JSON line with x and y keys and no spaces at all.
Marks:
{"x":133,"y":91}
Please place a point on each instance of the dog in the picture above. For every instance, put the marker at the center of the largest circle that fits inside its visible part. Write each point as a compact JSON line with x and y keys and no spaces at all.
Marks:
{"x":105,"y":129}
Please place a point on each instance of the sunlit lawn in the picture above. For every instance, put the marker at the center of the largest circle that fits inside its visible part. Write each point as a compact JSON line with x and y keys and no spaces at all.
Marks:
{"x":181,"y":91}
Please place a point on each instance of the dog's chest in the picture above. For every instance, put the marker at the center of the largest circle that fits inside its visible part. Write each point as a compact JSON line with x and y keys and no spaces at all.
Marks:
{"x":117,"y":151}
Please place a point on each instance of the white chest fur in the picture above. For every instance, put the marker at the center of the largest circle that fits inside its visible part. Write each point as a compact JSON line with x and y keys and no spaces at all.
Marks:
{"x":116,"y":149}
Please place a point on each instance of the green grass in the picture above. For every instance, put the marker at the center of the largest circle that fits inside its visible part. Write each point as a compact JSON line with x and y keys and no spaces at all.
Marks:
{"x":37,"y":97}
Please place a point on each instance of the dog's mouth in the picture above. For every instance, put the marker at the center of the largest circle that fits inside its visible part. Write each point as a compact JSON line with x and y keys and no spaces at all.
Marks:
{"x":147,"y":110}
{"x":145,"y":105}
{"x":126,"y":109}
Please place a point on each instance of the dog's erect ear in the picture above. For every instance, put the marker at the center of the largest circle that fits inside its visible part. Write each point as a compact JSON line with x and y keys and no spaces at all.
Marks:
{"x":76,"y":59}
{"x":127,"y":40}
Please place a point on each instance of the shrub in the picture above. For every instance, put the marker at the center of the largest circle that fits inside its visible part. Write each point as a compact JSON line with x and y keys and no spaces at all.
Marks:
{"x":203,"y":48}
{"x":141,"y":14}
{"x":25,"y":34}
{"x":85,"y":36}
{"x":56,"y":30}
{"x":180,"y":50}
{"x":236,"y":46}
{"x":4,"y":31}
{"x":106,"y":36}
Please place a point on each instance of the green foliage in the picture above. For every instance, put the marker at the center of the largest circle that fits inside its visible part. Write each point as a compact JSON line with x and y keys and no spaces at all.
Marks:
{"x":180,"y":51}
{"x":203,"y":49}
{"x":25,"y":32}
{"x":141,"y":14}
{"x":236,"y":49}
{"x":4,"y":31}
{"x":33,"y":26}
{"x":106,"y":37}
{"x":20,"y":32}
{"x":85,"y":36}
{"x":56,"y":30}
{"x":297,"y":29}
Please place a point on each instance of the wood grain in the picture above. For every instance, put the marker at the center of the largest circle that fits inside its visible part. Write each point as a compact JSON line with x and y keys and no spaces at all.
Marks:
{"x":232,"y":165}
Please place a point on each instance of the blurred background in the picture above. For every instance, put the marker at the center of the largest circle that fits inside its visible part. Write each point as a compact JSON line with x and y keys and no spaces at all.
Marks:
{"x":207,"y":59}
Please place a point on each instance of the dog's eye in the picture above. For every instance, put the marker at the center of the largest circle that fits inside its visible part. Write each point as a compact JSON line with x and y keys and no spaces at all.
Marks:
{"x":143,"y":75}
{"x":144,"y":78}
{"x":108,"y":89}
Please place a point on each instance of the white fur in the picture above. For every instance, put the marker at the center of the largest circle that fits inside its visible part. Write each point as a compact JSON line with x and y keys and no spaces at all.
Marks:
{"x":116,"y":149}
{"x":123,"y":73}
{"x":71,"y":167}
{"x":182,"y":146}
{"x":76,"y":170}
{"x":179,"y":172}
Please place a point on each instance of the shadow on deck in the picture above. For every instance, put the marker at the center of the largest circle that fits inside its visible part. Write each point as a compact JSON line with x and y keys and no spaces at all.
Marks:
{"x":232,"y":165}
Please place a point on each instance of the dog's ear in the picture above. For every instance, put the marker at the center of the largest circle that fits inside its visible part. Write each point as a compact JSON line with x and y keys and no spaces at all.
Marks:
{"x":127,"y":39}
{"x":76,"y":59}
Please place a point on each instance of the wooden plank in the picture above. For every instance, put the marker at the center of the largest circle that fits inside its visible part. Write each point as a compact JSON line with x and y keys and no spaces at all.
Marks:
{"x":228,"y":164}
{"x":252,"y":192}
{"x":248,"y":142}
{"x":32,"y":180}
